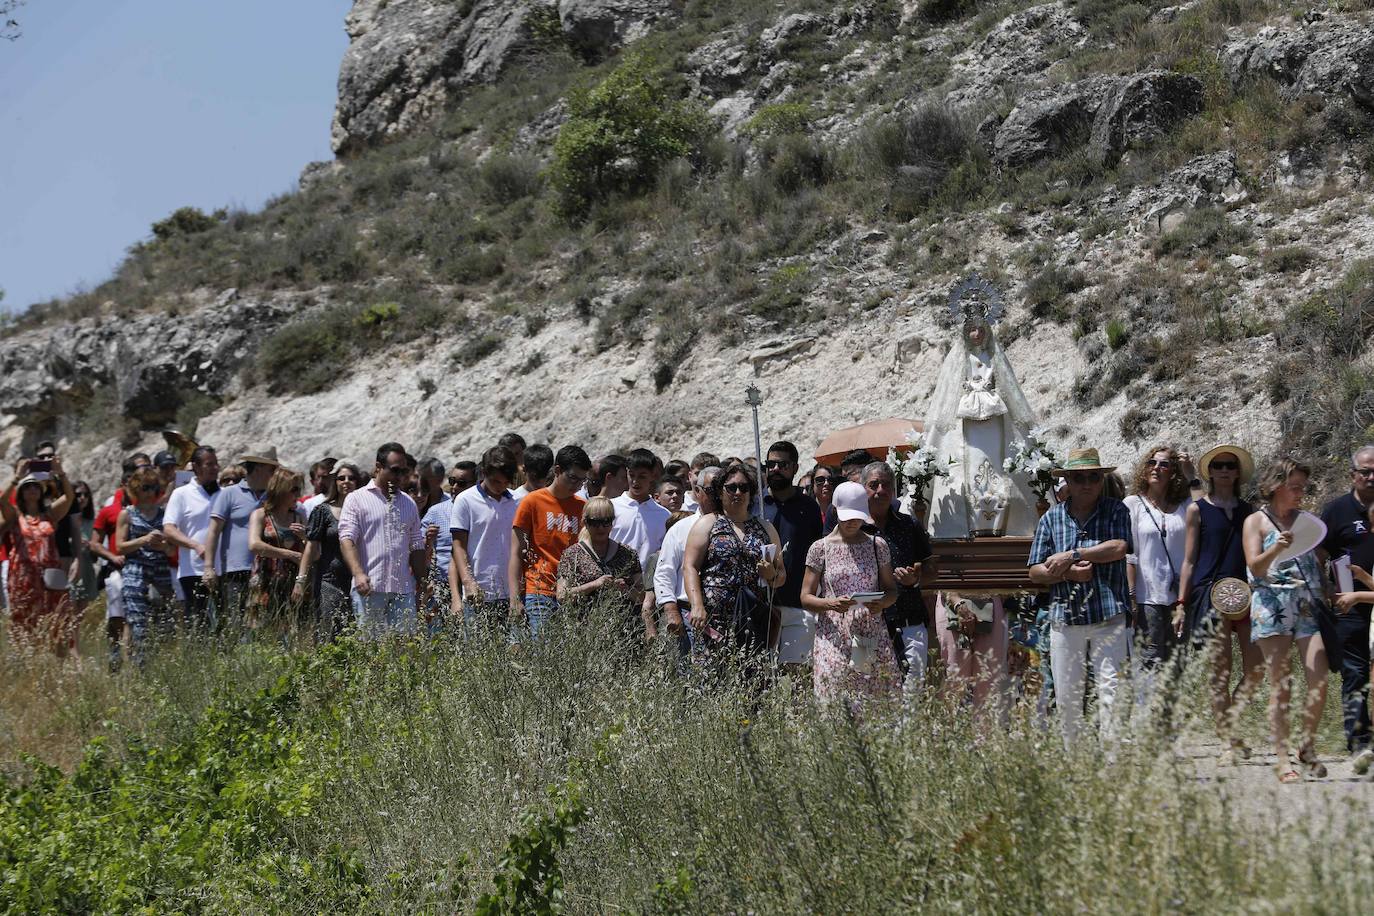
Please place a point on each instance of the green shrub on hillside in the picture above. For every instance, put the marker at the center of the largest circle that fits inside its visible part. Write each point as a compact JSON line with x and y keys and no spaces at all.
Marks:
{"x":926,"y":157}
{"x":1206,"y":229}
{"x":619,"y":133}
{"x":186,"y":221}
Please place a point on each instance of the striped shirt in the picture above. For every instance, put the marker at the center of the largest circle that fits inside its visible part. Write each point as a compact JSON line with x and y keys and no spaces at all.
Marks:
{"x":1106,"y":595}
{"x":384,"y":533}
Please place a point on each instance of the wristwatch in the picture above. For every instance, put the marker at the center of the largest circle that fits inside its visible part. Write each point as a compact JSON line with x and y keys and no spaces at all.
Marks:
{"x":1077,"y":554}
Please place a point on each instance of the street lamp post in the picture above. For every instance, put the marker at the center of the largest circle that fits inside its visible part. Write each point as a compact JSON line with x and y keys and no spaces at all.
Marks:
{"x":754,"y":398}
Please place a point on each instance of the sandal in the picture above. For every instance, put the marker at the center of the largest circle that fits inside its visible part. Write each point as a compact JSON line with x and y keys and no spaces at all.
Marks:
{"x":1288,"y":776}
{"x":1307,"y":759}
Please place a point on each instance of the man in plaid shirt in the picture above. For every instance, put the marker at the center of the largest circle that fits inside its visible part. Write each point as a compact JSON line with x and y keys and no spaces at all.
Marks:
{"x":1079,"y":551}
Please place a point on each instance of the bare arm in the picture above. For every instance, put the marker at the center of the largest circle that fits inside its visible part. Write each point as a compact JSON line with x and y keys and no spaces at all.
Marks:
{"x":125,"y":546}
{"x":692,"y":562}
{"x":100,"y":550}
{"x":1106,"y":552}
{"x":176,"y":537}
{"x":1191,"y":544}
{"x":460,"y":571}
{"x":515,"y":569}
{"x":355,"y":565}
{"x":58,"y":510}
{"x":1257,"y":558}
{"x":212,"y":546}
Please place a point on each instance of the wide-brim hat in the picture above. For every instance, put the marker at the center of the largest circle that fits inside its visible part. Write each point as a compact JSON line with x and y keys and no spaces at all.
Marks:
{"x":261,"y":456}
{"x":1082,"y":459}
{"x":1247,"y":462}
{"x":29,"y":479}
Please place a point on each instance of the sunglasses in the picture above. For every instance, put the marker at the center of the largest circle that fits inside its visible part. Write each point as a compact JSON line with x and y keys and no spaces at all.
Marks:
{"x":346,"y":478}
{"x":1081,"y":477}
{"x":1363,"y":472}
{"x":226,"y":481}
{"x":737,"y":488}
{"x":822,"y":481}
{"x":1230,"y":466}
{"x":399,"y":470}
{"x":150,"y":488}
{"x":599,"y":522}
{"x":459,"y":482}
{"x":777,"y":464}
{"x":1161,"y":463}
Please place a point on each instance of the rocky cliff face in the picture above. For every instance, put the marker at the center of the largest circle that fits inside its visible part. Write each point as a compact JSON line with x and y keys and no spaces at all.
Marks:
{"x":407,"y":59}
{"x":1066,"y":264}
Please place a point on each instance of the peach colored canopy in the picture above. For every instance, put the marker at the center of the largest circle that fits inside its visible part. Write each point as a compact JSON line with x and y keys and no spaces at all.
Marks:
{"x":874,"y":437}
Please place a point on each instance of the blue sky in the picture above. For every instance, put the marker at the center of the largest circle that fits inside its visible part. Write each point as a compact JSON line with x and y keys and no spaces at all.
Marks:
{"x":113,"y":113}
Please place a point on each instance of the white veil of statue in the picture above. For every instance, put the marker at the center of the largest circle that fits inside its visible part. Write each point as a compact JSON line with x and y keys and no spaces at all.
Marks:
{"x":978,"y":416}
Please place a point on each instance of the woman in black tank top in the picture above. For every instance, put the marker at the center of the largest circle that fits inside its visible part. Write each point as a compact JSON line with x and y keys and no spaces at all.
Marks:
{"x":1214,"y":551}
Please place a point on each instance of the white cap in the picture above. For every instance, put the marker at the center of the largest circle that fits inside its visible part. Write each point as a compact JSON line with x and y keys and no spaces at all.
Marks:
{"x":851,"y":502}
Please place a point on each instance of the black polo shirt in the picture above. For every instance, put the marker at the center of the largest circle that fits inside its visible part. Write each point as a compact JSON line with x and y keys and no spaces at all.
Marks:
{"x":908,"y":544}
{"x":1347,"y":532}
{"x":798,"y":522}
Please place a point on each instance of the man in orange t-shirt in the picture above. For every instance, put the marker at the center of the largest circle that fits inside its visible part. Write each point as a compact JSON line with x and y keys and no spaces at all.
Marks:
{"x":546,"y":523}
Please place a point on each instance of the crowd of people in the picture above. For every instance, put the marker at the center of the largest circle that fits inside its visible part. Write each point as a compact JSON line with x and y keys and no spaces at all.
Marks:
{"x":829,"y":576}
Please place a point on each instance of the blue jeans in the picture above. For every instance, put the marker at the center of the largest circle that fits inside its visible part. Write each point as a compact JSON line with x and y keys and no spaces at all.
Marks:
{"x":538,"y":610}
{"x":380,"y":613}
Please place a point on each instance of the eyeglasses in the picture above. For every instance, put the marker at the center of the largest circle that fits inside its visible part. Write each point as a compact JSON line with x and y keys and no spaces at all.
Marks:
{"x":1082,"y":477}
{"x":599,"y":522}
{"x":459,"y":482}
{"x":399,"y":470}
{"x":822,"y":481}
{"x":576,"y":480}
{"x":777,"y":464}
{"x":1163,"y":463}
{"x":1231,"y":466}
{"x":1363,"y":472}
{"x":346,"y":478}
{"x":228,"y":481}
{"x":737,"y":488}
{"x":880,"y":484}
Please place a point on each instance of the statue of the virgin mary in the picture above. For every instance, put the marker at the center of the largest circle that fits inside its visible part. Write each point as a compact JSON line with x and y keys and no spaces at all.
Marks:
{"x":977,"y":417}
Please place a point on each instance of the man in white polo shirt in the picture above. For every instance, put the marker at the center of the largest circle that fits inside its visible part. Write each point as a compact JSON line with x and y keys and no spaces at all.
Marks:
{"x":669,"y":589}
{"x":640,"y":520}
{"x":186,"y":521}
{"x":481,"y":522}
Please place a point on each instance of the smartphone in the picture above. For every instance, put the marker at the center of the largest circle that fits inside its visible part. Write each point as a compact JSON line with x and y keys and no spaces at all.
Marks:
{"x":40,"y":468}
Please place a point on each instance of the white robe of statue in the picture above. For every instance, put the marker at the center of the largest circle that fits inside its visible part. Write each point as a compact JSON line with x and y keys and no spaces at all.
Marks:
{"x":978,"y":416}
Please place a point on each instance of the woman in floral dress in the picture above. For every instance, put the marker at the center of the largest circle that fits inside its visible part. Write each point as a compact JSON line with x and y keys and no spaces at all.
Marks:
{"x":276,"y":537}
{"x":853,"y":656}
{"x":1284,"y":601}
{"x":727,"y":556}
{"x":39,"y":615}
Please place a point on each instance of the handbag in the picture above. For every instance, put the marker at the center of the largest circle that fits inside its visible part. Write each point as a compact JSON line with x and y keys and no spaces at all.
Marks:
{"x":1230,"y":597}
{"x":55,"y":580}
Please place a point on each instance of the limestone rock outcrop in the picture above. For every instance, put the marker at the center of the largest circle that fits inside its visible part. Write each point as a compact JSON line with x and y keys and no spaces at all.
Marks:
{"x":1332,"y":58}
{"x":407,"y":59}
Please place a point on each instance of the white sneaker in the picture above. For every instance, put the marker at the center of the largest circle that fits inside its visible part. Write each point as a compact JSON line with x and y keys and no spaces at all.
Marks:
{"x":1360,"y":760}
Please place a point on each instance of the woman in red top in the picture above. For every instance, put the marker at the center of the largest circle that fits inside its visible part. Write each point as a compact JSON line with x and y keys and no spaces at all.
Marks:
{"x":41,"y":615}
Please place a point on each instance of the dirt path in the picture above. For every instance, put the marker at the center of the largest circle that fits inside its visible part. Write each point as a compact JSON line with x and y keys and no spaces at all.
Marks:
{"x":1256,"y":790}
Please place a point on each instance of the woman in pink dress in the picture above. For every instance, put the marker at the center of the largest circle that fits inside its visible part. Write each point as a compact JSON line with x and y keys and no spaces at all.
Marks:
{"x":853,"y":656}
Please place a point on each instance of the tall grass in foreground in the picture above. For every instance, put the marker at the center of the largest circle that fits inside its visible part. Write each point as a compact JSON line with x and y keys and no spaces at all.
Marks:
{"x":581,"y":775}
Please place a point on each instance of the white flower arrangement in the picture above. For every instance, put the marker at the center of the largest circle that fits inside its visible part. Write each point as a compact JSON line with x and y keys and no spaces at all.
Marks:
{"x":1035,"y":460}
{"x":921,"y":465}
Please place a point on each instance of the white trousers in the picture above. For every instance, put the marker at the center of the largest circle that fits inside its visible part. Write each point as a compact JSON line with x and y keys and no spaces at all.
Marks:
{"x":114,"y":595}
{"x":1108,"y":645}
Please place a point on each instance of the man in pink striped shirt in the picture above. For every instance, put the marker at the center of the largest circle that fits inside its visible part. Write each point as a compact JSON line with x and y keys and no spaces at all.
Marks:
{"x":381,"y":541}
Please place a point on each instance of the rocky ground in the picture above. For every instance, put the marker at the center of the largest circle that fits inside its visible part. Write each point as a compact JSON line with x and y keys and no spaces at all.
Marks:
{"x":1035,"y":76}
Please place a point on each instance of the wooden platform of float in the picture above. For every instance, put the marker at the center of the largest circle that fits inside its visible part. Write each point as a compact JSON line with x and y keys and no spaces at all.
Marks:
{"x":984,"y":566}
